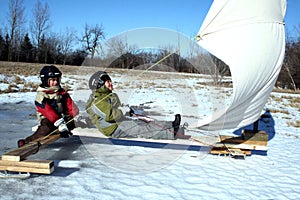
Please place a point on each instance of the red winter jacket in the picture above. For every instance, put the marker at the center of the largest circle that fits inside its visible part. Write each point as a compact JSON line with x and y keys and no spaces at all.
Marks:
{"x":53,"y":103}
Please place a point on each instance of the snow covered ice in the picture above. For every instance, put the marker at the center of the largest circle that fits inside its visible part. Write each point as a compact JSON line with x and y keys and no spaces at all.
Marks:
{"x":87,"y":169}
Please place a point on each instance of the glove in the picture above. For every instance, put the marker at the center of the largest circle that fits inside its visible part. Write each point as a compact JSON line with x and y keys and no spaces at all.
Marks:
{"x":81,"y":121}
{"x":62,"y":128}
{"x":78,"y":118}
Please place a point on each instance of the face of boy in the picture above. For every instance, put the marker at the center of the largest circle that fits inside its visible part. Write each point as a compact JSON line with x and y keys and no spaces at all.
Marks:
{"x":52,"y":82}
{"x":108,"y":84}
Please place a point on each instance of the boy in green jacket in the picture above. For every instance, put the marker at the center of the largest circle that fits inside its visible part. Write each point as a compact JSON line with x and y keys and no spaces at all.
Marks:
{"x":103,"y":106}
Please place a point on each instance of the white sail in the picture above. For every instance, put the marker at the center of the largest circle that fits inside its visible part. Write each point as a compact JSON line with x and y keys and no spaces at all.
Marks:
{"x":249,"y":36}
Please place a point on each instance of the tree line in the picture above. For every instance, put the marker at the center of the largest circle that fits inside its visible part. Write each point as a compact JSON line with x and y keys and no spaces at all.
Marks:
{"x":35,"y":42}
{"x":289,"y":76}
{"x":32,"y":41}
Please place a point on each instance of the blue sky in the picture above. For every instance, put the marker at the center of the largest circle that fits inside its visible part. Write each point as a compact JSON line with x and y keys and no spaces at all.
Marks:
{"x":118,"y":16}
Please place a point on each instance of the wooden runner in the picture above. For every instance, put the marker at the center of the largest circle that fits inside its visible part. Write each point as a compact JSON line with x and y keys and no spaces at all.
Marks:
{"x":31,"y":166}
{"x":23,"y":152}
{"x":15,"y":160}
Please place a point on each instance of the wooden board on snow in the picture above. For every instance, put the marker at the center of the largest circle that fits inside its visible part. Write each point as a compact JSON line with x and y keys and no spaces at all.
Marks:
{"x":191,"y":144}
{"x":248,"y":140}
{"x":237,"y":142}
{"x":230,"y":152}
{"x":14,"y":160}
{"x":23,"y":152}
{"x":31,"y":166}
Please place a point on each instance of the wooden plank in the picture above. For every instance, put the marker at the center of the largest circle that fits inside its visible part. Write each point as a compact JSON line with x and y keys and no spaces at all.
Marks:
{"x":248,"y":135}
{"x":242,"y":146}
{"x":14,"y":160}
{"x":236,"y":142}
{"x":29,"y":149}
{"x":240,"y":140}
{"x":48,"y":140}
{"x":230,"y":151}
{"x":94,"y":133}
{"x":249,"y":140}
{"x":31,"y":166}
{"x":255,"y":136}
{"x":21,"y":153}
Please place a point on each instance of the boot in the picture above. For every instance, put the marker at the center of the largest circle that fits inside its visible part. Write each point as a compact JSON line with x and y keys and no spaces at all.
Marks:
{"x":176,"y":122}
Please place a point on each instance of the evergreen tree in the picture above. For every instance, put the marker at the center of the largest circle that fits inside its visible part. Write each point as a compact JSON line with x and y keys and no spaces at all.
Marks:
{"x":26,"y":50}
{"x":77,"y":57}
{"x":2,"y":48}
{"x":6,"y":47}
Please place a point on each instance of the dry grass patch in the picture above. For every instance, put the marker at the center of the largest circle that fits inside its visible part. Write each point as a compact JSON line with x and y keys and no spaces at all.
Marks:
{"x":288,"y":91}
{"x":276,"y":99}
{"x":33,"y":69}
{"x":291,"y":101}
{"x":294,"y":123}
{"x":17,"y":84}
{"x":280,"y":111}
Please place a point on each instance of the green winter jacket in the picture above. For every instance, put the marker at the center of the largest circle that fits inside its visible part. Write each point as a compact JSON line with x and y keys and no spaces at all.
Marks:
{"x":103,"y":108}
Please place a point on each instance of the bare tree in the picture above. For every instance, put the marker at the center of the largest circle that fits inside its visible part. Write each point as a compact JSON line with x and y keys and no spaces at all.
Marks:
{"x":15,"y":19}
{"x":118,"y":46}
{"x":67,"y":39}
{"x":40,"y":23}
{"x":54,"y":47}
{"x":92,"y":37}
{"x":218,"y":70}
{"x":290,"y":71}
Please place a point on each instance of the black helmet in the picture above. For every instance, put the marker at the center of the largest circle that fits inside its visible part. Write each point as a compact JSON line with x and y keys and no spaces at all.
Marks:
{"x":98,"y":79}
{"x":49,"y":72}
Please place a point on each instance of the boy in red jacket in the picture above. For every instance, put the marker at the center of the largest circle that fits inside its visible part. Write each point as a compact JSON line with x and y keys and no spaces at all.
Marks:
{"x":54,"y":106}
